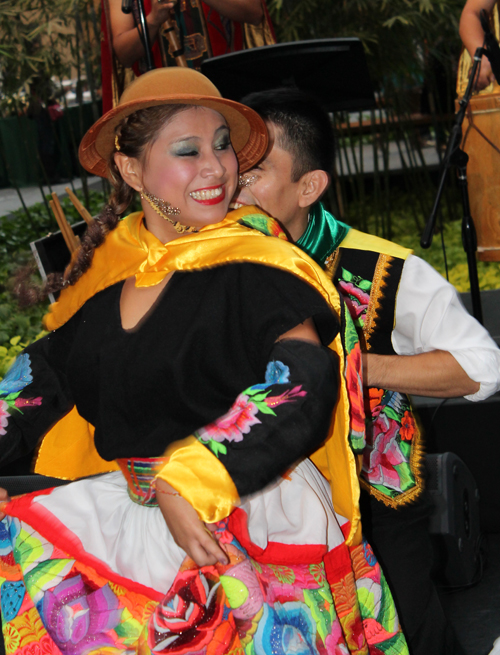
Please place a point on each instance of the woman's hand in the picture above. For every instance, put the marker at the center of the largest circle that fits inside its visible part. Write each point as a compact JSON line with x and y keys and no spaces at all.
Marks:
{"x":188,"y":531}
{"x":4,"y":497}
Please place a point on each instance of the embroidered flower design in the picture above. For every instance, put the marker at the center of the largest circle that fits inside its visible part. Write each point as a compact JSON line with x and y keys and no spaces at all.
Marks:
{"x":277,"y":373}
{"x":233,"y":425}
{"x":374,"y":400}
{"x":380,"y":460}
{"x":408,"y":427}
{"x":354,"y":382}
{"x":242,"y":589}
{"x":12,"y":638}
{"x":4,"y":416}
{"x":242,"y":416}
{"x":77,"y":620}
{"x":18,"y":377}
{"x":186,"y":620}
{"x":356,"y":295}
{"x":286,"y":628}
{"x":287,"y":396}
{"x":265,"y":224}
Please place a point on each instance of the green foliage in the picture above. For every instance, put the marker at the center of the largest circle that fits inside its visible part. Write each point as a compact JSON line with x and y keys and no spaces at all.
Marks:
{"x":407,"y":233}
{"x":396,"y":34}
{"x":41,"y":40}
{"x":458,"y":271}
{"x":9,"y":352}
{"x":25,"y":323}
{"x":16,"y":233}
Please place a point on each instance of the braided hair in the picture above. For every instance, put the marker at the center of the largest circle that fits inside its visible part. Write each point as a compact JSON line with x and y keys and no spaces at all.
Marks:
{"x":135,"y":135}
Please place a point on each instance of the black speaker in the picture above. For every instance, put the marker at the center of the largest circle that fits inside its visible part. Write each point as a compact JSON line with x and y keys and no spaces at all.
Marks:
{"x":454,"y":522}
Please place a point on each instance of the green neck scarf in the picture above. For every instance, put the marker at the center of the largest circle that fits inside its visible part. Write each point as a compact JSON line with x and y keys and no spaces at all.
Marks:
{"x":323,"y":234}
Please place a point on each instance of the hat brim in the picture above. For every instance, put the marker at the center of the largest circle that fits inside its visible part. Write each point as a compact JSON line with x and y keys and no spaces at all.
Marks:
{"x":248,"y":131}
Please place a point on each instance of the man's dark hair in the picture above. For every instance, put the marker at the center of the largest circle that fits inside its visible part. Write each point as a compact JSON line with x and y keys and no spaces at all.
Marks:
{"x":305,"y":130}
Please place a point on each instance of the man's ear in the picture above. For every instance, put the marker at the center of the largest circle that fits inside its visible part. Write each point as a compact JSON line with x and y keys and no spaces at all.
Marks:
{"x":130,"y":170}
{"x":312,"y":186}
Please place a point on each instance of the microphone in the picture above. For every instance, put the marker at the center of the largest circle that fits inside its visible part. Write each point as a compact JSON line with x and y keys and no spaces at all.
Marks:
{"x":127,"y":6}
{"x":492,"y":49}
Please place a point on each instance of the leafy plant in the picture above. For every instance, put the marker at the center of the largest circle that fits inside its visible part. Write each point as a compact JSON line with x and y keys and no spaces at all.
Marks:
{"x":39,"y":41}
{"x":397,"y":34}
{"x":9,"y":352}
{"x":406,"y":233}
{"x":17,"y":231}
{"x":16,"y":234}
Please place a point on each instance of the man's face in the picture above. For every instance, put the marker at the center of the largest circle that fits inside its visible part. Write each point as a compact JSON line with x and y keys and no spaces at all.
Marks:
{"x":270,"y":187}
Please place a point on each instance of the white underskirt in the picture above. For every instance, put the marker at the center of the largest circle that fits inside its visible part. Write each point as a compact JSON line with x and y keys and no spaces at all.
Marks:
{"x":100,"y":513}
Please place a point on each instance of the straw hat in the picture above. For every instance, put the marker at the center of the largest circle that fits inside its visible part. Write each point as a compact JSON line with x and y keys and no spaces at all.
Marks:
{"x":170,"y":86}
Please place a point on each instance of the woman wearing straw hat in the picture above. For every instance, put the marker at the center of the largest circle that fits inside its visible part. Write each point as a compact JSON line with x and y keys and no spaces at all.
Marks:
{"x":187,"y":372}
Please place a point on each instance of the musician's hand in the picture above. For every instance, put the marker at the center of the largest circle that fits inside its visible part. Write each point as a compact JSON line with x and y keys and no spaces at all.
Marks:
{"x":160,"y":12}
{"x":486,"y":76}
{"x":4,"y":497}
{"x":188,"y":531}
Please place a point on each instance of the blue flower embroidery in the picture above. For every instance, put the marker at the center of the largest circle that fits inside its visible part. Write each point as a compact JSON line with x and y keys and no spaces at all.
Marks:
{"x":286,"y":629}
{"x":18,"y":376}
{"x":368,"y":553}
{"x":277,"y":373}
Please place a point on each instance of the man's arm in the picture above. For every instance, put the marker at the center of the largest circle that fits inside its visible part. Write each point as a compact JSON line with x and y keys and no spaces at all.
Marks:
{"x":126,"y":40}
{"x":127,"y":43}
{"x":472,"y":35}
{"x":435,"y":373}
{"x":242,"y":11}
{"x":441,"y":349}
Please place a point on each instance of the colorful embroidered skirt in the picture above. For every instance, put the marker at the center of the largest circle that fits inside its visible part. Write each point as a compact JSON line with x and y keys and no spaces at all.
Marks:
{"x":86,"y":571}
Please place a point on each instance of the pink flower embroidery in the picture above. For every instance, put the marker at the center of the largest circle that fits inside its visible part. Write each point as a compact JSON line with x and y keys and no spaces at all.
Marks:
{"x":358,"y":303}
{"x":28,"y":402}
{"x":379,"y":460}
{"x":353,"y":374}
{"x":287,"y":396}
{"x":233,"y":425}
{"x":4,"y":416}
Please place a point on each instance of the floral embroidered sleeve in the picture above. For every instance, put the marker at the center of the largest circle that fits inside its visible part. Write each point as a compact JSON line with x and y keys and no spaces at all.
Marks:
{"x":273,"y":424}
{"x":34,"y":394}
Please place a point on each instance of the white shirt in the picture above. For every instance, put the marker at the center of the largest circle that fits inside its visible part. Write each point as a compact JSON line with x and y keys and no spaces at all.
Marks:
{"x":431,"y":316}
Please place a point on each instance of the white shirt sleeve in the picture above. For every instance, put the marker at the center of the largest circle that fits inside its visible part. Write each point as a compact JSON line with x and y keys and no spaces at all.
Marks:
{"x":431,"y":316}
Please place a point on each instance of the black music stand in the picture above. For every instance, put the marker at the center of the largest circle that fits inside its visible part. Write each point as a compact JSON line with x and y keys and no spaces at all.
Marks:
{"x":335,"y":71}
{"x":51,"y":252}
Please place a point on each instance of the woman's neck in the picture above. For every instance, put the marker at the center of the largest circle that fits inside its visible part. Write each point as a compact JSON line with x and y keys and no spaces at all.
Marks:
{"x":160,"y":227}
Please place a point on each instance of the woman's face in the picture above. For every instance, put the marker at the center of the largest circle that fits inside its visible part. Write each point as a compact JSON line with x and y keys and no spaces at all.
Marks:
{"x":193,"y":167}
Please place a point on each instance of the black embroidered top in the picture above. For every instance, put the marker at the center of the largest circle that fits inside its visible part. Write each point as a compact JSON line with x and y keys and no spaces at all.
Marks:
{"x":207,"y":338}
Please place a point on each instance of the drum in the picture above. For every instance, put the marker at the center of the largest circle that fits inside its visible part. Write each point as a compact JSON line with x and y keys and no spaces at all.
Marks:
{"x":481,"y":141}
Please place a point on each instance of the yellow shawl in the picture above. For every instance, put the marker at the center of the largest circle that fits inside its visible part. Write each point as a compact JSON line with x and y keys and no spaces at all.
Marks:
{"x":68,"y":451}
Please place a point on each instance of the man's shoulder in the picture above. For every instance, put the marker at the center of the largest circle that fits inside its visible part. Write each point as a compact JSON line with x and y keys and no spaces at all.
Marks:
{"x":356,"y":240}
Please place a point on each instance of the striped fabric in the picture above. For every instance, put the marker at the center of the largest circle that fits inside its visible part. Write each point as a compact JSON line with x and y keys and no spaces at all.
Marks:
{"x":140,"y":474}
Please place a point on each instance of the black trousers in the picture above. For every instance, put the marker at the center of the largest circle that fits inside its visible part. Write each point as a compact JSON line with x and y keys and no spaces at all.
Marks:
{"x":401,"y":541}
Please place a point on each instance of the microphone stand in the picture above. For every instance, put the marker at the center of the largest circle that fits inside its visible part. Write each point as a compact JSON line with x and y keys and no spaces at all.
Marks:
{"x":455,"y":156}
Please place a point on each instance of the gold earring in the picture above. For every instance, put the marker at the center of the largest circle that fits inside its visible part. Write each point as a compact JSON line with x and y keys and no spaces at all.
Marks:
{"x":165,"y":210}
{"x":247,"y":179}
